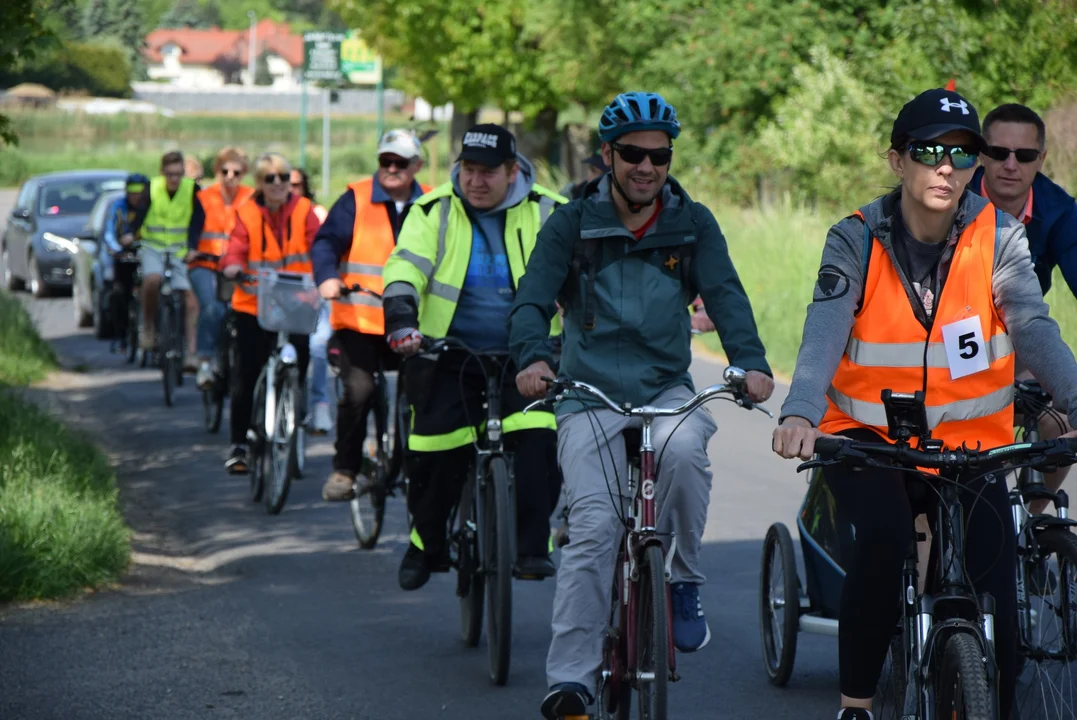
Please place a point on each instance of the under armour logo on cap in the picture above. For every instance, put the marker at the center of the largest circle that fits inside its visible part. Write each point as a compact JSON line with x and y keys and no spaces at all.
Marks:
{"x":947,"y":104}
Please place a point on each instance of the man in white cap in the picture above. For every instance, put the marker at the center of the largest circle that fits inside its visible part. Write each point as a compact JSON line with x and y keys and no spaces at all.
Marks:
{"x":351,"y":247}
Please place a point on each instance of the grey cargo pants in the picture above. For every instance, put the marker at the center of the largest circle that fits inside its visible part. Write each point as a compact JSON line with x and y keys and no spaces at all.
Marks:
{"x":585,"y":443}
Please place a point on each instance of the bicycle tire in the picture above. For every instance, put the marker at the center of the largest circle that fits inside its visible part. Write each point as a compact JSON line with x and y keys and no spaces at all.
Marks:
{"x":615,"y":692}
{"x":368,"y":505}
{"x":213,"y":405}
{"x":164,"y":342}
{"x":256,"y":452}
{"x":1048,"y":654}
{"x":779,"y":616}
{"x":652,"y":626}
{"x":470,"y":583}
{"x":282,"y":449}
{"x":961,"y":687}
{"x":889,"y":702}
{"x":499,"y":526}
{"x":399,"y":430}
{"x":133,"y":312}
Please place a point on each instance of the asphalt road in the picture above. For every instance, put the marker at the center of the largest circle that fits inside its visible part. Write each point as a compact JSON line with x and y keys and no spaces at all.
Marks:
{"x":231,"y":613}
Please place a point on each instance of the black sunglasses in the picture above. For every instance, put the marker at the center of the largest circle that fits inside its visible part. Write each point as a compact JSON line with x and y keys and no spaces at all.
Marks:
{"x":634,"y":155}
{"x":229,"y":172}
{"x":1002,"y":154}
{"x":931,"y":154}
{"x":274,"y":178}
{"x":388,"y":162}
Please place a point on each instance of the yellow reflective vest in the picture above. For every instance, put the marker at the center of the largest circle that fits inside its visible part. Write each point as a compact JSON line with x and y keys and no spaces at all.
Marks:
{"x":165,"y":226}
{"x":434,"y":248}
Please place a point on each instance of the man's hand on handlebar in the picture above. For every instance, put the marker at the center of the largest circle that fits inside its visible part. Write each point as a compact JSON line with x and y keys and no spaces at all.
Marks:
{"x":795,"y":437}
{"x":126,"y":239}
{"x":530,"y":381}
{"x":330,"y":289}
{"x":406,"y":341}
{"x":760,"y":386}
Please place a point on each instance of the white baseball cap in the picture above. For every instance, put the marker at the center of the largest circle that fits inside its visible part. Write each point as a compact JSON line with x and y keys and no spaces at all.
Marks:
{"x":400,"y":142}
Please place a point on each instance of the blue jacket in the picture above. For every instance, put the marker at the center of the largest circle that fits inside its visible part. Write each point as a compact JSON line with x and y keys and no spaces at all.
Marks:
{"x":120,"y":220}
{"x":1052,"y":232}
{"x":334,"y":238}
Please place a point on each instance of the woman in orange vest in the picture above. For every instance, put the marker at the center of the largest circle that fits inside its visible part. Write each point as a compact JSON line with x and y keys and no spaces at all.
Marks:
{"x":928,"y":288}
{"x":275,"y":229}
{"x":352,"y":247}
{"x":219,"y":201}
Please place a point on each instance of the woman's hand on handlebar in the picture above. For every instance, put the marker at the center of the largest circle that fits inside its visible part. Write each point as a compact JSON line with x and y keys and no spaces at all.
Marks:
{"x":406,"y":341}
{"x":530,"y":382}
{"x":795,"y":437}
{"x":232,"y":271}
{"x":330,"y":289}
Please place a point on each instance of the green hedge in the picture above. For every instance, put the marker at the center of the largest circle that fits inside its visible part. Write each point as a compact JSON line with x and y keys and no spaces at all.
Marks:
{"x":97,"y":69}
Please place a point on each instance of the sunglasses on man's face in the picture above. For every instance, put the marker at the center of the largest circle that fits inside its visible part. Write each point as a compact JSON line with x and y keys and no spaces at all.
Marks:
{"x":634,"y":155}
{"x":274,"y":178}
{"x":1002,"y":154}
{"x":388,"y":163}
{"x":231,"y":172}
{"x":931,"y":154}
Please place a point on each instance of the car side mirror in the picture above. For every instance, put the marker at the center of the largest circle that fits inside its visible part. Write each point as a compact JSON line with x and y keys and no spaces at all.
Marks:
{"x":21,"y":213}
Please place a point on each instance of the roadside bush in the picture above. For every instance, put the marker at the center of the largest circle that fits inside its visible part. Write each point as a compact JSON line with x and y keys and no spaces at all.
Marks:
{"x":98,"y":69}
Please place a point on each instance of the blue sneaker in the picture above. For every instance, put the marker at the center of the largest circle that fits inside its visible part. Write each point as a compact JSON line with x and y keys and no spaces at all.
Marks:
{"x":566,"y":700}
{"x":690,"y":630}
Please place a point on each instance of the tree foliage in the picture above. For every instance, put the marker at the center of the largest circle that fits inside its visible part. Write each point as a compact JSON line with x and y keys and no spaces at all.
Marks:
{"x":24,"y":30}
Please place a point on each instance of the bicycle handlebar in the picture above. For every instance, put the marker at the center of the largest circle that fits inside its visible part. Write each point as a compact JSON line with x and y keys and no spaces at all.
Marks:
{"x":735,"y":385}
{"x":345,"y":291}
{"x":832,"y":450}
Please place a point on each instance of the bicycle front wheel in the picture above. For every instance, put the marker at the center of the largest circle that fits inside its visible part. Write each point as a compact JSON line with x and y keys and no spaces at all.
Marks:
{"x":499,"y":532}
{"x":470,"y":583}
{"x":165,"y":328}
{"x":257,"y":453}
{"x":1048,"y":645}
{"x":133,"y":319}
{"x":961,"y":688}
{"x":652,"y":636}
{"x":283,"y":447}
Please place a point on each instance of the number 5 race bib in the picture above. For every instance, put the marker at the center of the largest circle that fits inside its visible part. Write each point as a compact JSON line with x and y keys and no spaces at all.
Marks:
{"x":966,"y":351}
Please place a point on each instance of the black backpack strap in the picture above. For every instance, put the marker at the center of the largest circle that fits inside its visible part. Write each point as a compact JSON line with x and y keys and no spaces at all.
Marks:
{"x":583,"y":260}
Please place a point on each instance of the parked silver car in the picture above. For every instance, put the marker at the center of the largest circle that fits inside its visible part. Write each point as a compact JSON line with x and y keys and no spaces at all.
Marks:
{"x":38,"y":245}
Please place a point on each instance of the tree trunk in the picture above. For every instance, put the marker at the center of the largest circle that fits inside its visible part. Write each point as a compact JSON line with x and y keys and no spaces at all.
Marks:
{"x":461,"y":121}
{"x":576,"y":146}
{"x":537,"y":139}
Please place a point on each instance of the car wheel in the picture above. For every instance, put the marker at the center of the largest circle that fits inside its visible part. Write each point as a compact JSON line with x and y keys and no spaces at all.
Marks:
{"x":10,"y":281}
{"x":38,"y":288}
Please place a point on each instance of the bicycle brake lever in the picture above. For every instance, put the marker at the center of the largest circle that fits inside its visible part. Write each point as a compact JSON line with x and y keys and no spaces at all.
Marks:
{"x":762,"y":409}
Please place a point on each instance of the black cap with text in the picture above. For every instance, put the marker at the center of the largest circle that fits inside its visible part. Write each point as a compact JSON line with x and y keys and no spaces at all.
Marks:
{"x":933,"y":113}
{"x":488,"y":144}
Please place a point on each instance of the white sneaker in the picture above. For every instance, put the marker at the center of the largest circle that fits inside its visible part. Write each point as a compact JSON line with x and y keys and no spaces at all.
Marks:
{"x":323,"y":421}
{"x":204,"y":378}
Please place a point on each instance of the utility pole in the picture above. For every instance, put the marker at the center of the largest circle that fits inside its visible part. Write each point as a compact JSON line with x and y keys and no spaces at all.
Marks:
{"x":251,"y":41}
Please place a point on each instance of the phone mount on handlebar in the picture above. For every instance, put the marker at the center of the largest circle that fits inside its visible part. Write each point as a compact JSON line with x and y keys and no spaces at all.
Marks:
{"x":906,"y":416}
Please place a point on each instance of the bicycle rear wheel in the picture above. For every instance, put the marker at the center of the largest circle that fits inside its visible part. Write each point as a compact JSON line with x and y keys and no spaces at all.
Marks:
{"x":652,"y":628}
{"x":165,"y":328}
{"x":499,"y":532}
{"x":368,"y":505}
{"x":470,"y":583}
{"x":133,"y":319}
{"x":961,"y":688}
{"x":283,"y":448}
{"x":1048,"y":646}
{"x":889,"y":703}
{"x":257,"y":451}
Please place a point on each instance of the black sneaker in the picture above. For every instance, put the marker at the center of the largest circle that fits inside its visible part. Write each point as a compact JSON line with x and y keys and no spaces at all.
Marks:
{"x":566,"y":700}
{"x":534,"y":567}
{"x":414,"y":571}
{"x":854,"y":714}
{"x":236,"y":464}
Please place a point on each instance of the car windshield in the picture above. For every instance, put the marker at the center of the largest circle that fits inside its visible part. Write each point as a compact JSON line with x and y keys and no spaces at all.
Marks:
{"x":74,"y":197}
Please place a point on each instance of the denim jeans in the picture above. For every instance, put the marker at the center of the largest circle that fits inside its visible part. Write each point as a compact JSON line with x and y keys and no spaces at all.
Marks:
{"x":319,"y":365}
{"x":211,"y":310}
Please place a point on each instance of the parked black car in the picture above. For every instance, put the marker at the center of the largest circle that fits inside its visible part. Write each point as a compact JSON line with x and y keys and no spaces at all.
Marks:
{"x":38,"y":243}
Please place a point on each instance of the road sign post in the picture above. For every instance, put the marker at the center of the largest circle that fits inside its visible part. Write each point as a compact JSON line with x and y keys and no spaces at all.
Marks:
{"x":321,"y":62}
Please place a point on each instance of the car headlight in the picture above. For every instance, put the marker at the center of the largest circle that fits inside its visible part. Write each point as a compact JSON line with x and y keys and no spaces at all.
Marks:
{"x":55,"y":243}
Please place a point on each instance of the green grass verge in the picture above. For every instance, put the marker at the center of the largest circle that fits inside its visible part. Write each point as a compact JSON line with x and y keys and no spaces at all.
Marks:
{"x":777,"y":252}
{"x":60,"y":528}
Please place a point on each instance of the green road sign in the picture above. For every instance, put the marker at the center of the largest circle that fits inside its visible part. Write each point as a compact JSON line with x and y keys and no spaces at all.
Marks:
{"x":359,"y":63}
{"x":322,"y":56}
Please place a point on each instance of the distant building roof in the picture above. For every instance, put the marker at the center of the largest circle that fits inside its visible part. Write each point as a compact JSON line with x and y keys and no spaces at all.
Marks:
{"x":204,"y":47}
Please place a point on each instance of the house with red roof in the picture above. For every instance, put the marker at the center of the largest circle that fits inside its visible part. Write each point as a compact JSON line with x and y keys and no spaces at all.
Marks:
{"x":211,"y":58}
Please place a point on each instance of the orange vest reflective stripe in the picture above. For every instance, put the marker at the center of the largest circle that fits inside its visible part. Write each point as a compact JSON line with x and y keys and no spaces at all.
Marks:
{"x":888,"y":348}
{"x":294,"y":256}
{"x":220,"y":219}
{"x":372,"y":243}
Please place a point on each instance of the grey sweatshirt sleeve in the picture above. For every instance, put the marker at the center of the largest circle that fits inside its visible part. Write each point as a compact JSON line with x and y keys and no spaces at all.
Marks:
{"x":1034,"y":333}
{"x":836,"y":296}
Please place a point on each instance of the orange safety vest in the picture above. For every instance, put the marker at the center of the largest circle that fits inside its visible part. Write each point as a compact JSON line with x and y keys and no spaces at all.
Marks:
{"x":220,"y":219}
{"x":265,"y":251}
{"x":889,"y":349}
{"x":372,"y":243}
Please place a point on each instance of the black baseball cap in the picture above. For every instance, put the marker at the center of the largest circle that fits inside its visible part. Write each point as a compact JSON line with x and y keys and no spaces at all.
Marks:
{"x":488,"y":144}
{"x":933,"y":113}
{"x":597,"y":162}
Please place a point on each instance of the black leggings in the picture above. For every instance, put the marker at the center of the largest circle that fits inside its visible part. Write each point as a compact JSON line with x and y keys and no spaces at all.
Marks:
{"x":877,"y":503}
